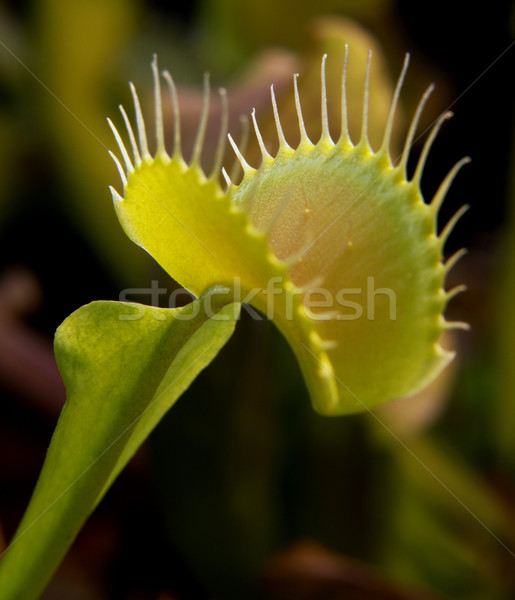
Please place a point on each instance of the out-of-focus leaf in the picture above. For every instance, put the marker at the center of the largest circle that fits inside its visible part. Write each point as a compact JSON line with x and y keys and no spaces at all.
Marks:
{"x":240,"y":28}
{"x":78,"y":47}
{"x":124,"y":365}
{"x":11,"y":138}
{"x":310,"y":572}
{"x":444,"y":520}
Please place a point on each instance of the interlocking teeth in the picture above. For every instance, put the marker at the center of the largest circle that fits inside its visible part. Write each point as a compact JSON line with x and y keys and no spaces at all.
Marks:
{"x":116,"y":196}
{"x":132,"y":138}
{"x":127,"y":160}
{"x":224,"y":125}
{"x":344,"y":133}
{"x":321,"y":343}
{"x":160,"y":135}
{"x":304,"y":139}
{"x":177,"y":150}
{"x":119,"y":167}
{"x":227,"y":178}
{"x":446,"y":232}
{"x":366,"y":93}
{"x":385,"y":146}
{"x":439,"y":197}
{"x":244,"y":164}
{"x":326,"y":315}
{"x":403,"y":165}
{"x":243,"y":143}
{"x":457,"y":325}
{"x":451,"y":262}
{"x":328,"y":344}
{"x":326,"y":135}
{"x":140,"y":123}
{"x":280,"y":133}
{"x":428,"y":144}
{"x":201,"y":133}
{"x":264,"y":152}
{"x":452,"y":293}
{"x":293,"y":208}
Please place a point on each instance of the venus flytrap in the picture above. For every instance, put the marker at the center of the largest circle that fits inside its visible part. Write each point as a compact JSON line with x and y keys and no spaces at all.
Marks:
{"x":325,"y":215}
{"x":322,"y":218}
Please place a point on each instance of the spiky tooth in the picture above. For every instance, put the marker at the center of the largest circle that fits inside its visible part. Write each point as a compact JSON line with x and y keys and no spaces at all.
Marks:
{"x":403,"y":165}
{"x":439,"y":197}
{"x":428,"y":144}
{"x":326,"y":315}
{"x":385,"y":146}
{"x":274,"y":260}
{"x":123,"y":150}
{"x":266,"y":157}
{"x":332,"y":315}
{"x":119,"y":167}
{"x":444,"y":235}
{"x":344,"y":132}
{"x":457,"y":325}
{"x":244,"y":164}
{"x":304,"y":139}
{"x":201,"y":132}
{"x":140,"y":123}
{"x":220,"y":147}
{"x":250,"y":228}
{"x":292,"y":259}
{"x":160,"y":135}
{"x":177,"y":150}
{"x":280,"y":133}
{"x":299,"y":255}
{"x":451,"y":261}
{"x":116,"y":196}
{"x":328,"y":344}
{"x":321,"y":343}
{"x":132,"y":138}
{"x":243,"y":142}
{"x":366,"y":93}
{"x":227,"y":178}
{"x":453,"y":292}
{"x":325,"y":135}
{"x":441,"y":352}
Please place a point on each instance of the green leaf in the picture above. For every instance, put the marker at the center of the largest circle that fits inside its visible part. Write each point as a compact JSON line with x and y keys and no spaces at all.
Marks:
{"x":124,"y":366}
